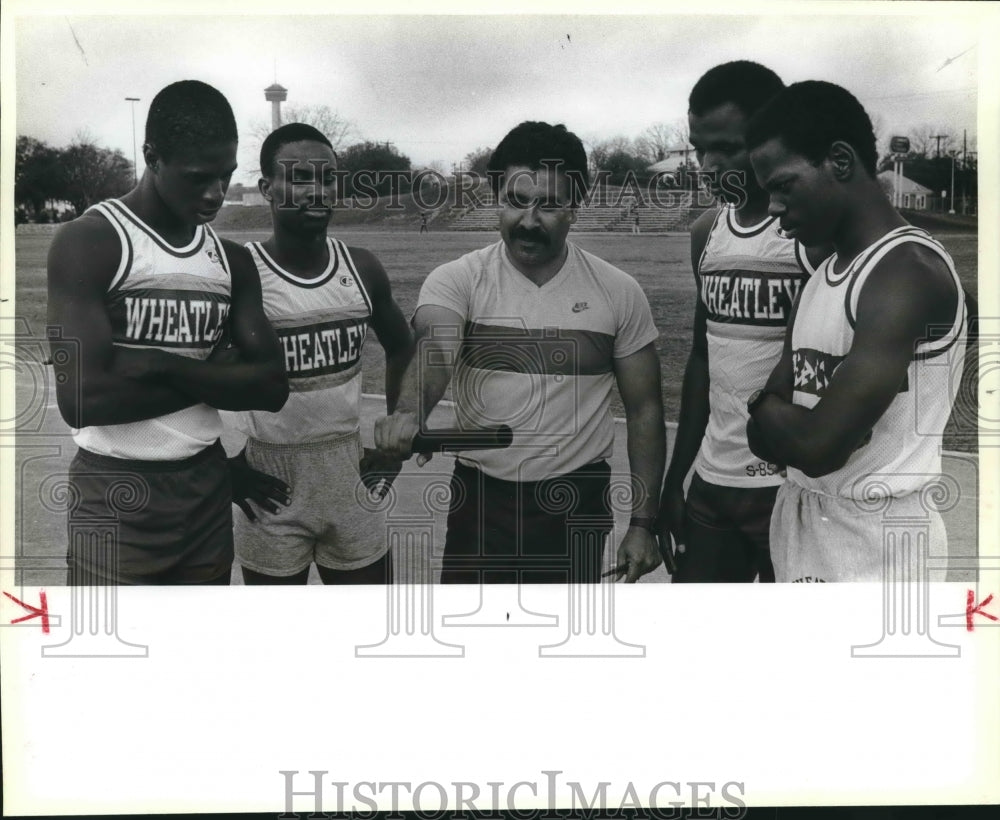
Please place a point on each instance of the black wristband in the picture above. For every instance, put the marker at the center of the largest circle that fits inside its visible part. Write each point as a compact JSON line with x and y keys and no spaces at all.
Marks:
{"x":646,"y":522}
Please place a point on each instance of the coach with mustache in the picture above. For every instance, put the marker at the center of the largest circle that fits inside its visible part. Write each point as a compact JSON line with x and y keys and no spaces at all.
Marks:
{"x":532,"y":331}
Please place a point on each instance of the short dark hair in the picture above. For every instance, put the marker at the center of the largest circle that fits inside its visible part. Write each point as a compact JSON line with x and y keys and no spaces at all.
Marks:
{"x":809,"y":117}
{"x":292,"y":132}
{"x":745,"y":84}
{"x":187,"y":113}
{"x":536,"y":145}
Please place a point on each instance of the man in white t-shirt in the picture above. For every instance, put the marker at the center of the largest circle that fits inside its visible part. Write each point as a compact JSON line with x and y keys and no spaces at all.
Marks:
{"x":533,"y":332}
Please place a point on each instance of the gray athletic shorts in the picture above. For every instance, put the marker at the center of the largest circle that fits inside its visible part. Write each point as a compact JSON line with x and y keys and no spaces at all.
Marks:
{"x":324,"y":523}
{"x":816,"y":537}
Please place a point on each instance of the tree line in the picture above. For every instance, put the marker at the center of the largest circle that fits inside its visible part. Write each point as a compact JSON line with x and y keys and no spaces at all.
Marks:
{"x":85,"y":173}
{"x":81,"y":174}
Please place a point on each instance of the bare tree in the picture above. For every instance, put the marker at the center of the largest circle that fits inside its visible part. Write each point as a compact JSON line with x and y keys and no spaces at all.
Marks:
{"x":600,"y":150}
{"x":476,"y":161}
{"x":654,"y":143}
{"x":438,"y":166}
{"x":931,"y":141}
{"x":335,"y":127}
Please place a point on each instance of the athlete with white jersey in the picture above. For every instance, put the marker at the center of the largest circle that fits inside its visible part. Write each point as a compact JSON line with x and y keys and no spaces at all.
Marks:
{"x":748,"y":275}
{"x":858,"y":403}
{"x":140,"y":294}
{"x":321,"y":296}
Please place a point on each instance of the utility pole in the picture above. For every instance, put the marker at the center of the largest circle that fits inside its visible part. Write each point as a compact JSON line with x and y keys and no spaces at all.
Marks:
{"x":939,"y":137}
{"x":951,"y":200}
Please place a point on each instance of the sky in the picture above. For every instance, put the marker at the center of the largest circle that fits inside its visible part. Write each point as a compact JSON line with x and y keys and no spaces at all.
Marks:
{"x":440,"y":86}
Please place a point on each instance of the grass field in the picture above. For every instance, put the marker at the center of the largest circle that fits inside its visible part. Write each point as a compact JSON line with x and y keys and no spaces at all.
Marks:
{"x":659,"y":263}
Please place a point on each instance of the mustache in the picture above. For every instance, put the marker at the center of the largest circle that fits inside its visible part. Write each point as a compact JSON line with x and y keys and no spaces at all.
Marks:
{"x":529,"y":235}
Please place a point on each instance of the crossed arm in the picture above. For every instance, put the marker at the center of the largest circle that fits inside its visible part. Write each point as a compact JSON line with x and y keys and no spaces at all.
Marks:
{"x":100,"y":383}
{"x":909,"y":293}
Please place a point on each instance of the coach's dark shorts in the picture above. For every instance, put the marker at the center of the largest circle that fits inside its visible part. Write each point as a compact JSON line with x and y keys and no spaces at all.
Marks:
{"x":727,"y":531}
{"x":541,"y":532}
{"x":150,"y":522}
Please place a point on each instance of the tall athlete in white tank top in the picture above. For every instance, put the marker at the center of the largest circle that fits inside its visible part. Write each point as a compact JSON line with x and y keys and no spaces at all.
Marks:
{"x":858,"y":403}
{"x":748,"y":276}
{"x":141,"y":291}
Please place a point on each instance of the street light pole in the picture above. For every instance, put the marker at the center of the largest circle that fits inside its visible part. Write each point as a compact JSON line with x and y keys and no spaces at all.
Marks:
{"x":135,"y":164}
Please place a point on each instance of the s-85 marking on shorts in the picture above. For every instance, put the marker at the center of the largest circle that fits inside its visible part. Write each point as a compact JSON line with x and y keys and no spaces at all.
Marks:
{"x":762,"y":469}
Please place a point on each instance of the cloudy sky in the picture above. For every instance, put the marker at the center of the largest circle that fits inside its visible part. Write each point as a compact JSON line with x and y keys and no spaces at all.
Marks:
{"x":439,"y":86}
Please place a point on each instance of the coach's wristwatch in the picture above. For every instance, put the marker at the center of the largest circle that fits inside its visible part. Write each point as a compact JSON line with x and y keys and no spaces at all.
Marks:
{"x":755,"y":400}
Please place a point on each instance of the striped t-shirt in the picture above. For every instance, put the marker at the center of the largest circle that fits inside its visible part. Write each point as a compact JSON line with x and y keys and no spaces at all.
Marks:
{"x":540,"y":359}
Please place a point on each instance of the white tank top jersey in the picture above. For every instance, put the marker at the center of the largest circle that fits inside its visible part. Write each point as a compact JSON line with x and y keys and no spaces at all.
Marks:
{"x":748,"y":279}
{"x":540,"y":359}
{"x":321,"y":324}
{"x":174,"y":299}
{"x":904,"y":451}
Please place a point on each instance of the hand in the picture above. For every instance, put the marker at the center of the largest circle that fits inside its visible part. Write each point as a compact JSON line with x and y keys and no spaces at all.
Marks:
{"x":638,"y":553}
{"x":756,"y":440}
{"x":249,"y":484}
{"x":394,"y":436}
{"x":378,"y":470}
{"x":671,"y":518}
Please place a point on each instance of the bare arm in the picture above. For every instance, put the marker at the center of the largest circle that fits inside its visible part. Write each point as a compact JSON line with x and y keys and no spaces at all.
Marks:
{"x":388,"y":322}
{"x":694,"y":406}
{"x":694,"y":411}
{"x":90,"y":390}
{"x":638,"y":378}
{"x":438,"y":335}
{"x":909,"y":291}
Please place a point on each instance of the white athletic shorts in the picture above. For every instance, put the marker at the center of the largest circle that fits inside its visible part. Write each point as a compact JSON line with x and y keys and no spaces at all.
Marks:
{"x":325,"y":523}
{"x":817,"y":538}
